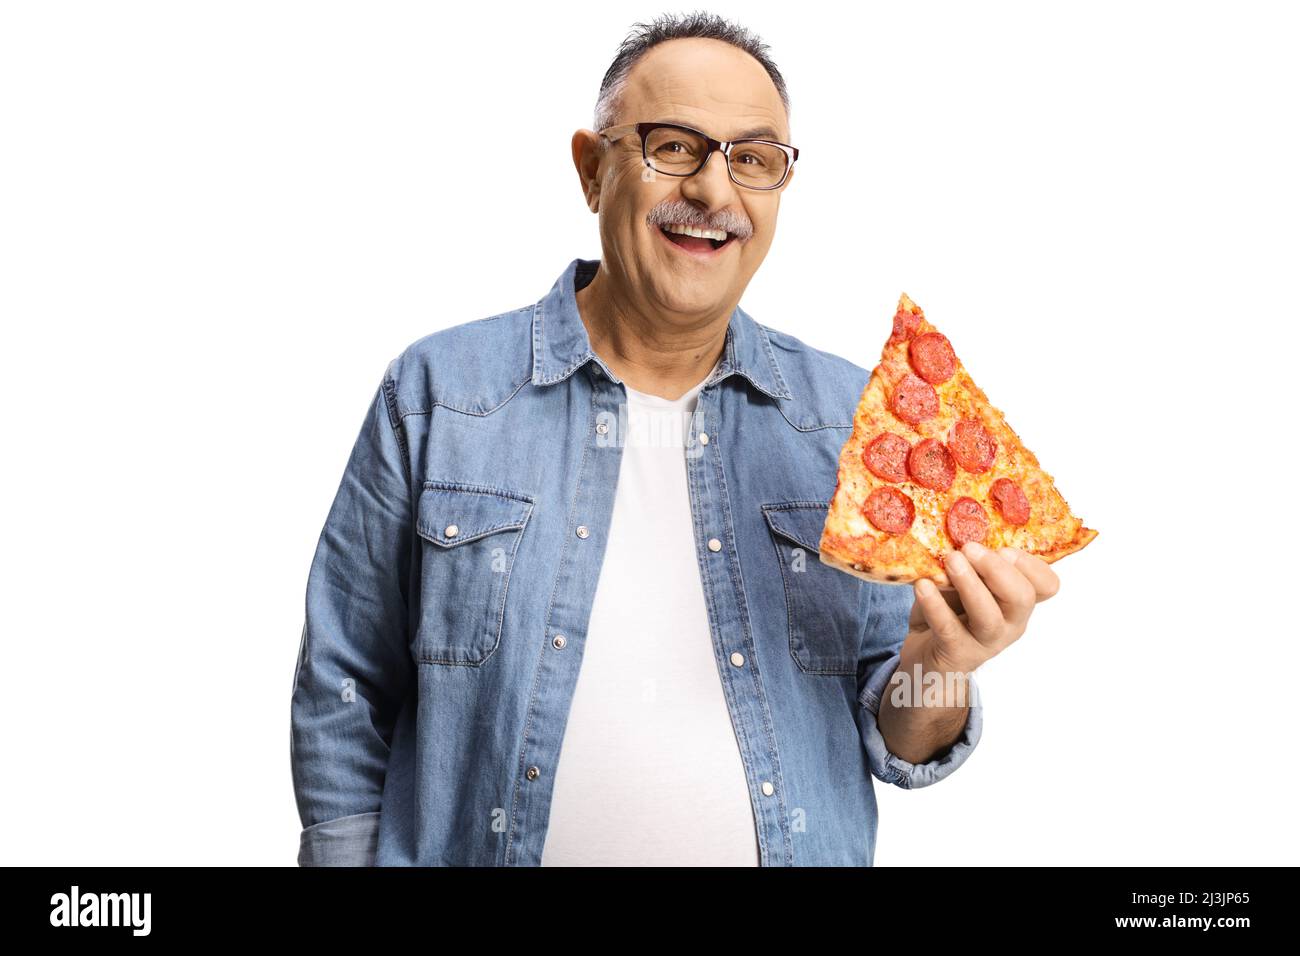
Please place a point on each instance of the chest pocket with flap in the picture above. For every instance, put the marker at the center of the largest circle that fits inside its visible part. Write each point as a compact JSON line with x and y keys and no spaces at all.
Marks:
{"x":470,"y":535}
{"x":824,"y":606}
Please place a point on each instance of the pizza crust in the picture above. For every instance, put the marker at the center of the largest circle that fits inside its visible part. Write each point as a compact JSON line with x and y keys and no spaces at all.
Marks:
{"x":885,"y":575}
{"x":867,"y":572}
{"x":1082,"y":538}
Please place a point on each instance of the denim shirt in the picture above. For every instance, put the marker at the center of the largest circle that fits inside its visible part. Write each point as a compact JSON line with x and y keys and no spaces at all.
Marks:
{"x":449,"y":595}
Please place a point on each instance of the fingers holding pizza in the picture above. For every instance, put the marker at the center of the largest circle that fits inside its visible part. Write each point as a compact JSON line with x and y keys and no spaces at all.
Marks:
{"x":986,"y":609}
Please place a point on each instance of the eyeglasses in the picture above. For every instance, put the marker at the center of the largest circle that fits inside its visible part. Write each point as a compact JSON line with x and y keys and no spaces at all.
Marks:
{"x":681,"y":151}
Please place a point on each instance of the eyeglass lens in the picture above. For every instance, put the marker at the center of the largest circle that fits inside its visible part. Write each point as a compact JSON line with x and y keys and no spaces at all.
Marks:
{"x":678,"y":152}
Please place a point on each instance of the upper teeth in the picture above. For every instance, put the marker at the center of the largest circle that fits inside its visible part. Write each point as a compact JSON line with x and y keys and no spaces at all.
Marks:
{"x":698,"y":233}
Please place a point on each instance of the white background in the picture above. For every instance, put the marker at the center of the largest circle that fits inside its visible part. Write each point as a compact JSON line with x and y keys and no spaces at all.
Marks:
{"x":218,"y":222}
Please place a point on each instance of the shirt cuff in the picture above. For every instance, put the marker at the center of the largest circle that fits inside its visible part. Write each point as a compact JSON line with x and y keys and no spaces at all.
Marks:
{"x":887,"y":766}
{"x":344,"y":841}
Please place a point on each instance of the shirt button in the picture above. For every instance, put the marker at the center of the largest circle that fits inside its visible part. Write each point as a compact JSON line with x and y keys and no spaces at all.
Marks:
{"x":532,"y":773}
{"x":715,"y":544}
{"x":558,"y":642}
{"x":738,"y":659}
{"x":768,"y":789}
{"x":582,"y":531}
{"x":602,"y":428}
{"x":451,"y":531}
{"x":704,"y":438}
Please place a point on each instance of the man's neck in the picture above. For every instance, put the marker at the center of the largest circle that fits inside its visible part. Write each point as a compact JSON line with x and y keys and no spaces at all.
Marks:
{"x":647,"y":353}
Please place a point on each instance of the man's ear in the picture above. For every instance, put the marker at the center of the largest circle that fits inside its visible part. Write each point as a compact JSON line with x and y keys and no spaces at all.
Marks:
{"x":587,"y":156}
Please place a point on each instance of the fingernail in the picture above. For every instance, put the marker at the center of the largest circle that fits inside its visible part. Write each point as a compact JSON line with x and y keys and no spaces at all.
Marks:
{"x":925,"y":586}
{"x":1009,"y":553}
{"x":975,"y":550}
{"x":956,"y":563}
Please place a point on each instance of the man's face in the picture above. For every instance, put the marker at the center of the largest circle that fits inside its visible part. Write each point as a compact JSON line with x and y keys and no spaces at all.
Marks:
{"x":713,"y":87}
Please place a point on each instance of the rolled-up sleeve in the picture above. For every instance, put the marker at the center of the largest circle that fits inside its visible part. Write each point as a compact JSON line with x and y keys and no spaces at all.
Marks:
{"x":345,"y":841}
{"x":890,"y":605}
{"x":354,"y":670}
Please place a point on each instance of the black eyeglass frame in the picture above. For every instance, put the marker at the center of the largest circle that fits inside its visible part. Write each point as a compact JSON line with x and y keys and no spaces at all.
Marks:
{"x":643,"y":130}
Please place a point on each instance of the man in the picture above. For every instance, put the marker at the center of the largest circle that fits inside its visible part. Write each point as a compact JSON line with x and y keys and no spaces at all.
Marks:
{"x":534,"y":636}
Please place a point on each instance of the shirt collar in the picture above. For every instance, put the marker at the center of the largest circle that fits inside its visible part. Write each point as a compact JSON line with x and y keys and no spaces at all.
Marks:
{"x":561,"y":345}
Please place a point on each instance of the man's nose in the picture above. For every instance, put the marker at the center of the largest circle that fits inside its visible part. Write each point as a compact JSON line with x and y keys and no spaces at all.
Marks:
{"x":711,"y":186}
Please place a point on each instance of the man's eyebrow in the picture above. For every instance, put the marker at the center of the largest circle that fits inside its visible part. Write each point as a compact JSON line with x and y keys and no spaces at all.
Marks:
{"x":760,"y":132}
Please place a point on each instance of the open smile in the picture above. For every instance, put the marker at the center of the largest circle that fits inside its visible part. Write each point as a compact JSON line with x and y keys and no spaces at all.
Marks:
{"x":693,"y":246}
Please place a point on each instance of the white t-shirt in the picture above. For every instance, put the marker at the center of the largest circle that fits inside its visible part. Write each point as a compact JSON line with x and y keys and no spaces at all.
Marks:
{"x":650,"y":772}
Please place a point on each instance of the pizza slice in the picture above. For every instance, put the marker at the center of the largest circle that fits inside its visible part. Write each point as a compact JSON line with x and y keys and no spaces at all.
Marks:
{"x":930,"y":465}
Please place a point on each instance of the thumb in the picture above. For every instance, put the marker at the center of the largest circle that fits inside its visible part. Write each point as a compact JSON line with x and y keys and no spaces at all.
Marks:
{"x":946,"y":627}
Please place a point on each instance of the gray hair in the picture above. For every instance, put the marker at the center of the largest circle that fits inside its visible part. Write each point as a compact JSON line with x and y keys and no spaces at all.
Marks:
{"x":674,"y":27}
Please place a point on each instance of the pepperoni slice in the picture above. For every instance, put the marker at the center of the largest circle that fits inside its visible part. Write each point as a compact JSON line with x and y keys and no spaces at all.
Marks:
{"x":972,"y":445}
{"x":932,"y":356}
{"x":1010,"y":501}
{"x":930,"y":464}
{"x":914,"y":400}
{"x":905,"y":326}
{"x":889,"y":510}
{"x":886,"y":456}
{"x":966,"y":521}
